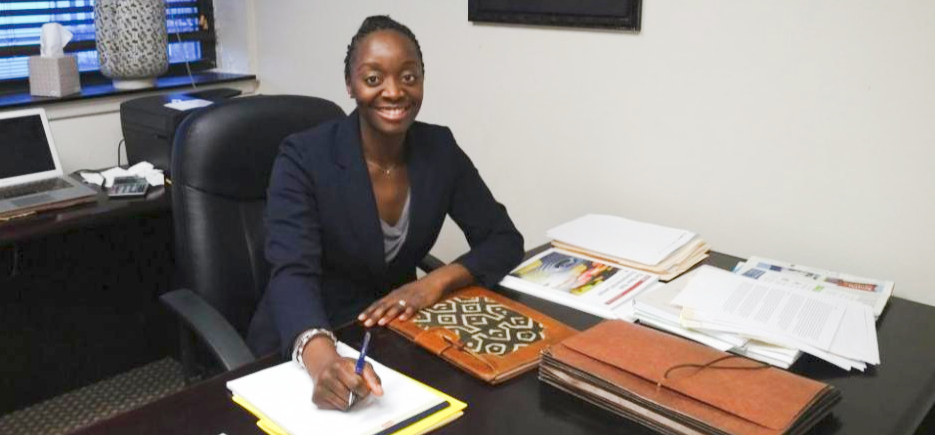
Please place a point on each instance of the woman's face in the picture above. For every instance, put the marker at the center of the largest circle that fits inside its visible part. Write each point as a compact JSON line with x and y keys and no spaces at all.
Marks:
{"x":386,"y":80}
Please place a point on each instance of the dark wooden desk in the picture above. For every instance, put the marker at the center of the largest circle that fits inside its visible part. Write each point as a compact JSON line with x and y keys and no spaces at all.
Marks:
{"x":101,"y":211}
{"x":891,"y":399}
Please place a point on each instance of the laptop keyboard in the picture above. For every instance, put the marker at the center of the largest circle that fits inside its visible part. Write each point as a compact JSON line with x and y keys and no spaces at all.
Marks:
{"x":34,"y":187}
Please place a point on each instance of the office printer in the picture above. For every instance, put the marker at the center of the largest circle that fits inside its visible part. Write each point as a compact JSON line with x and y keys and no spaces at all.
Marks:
{"x":149,"y":123}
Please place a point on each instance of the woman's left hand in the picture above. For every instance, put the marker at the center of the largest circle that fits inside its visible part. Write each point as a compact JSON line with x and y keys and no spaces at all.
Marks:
{"x":402,"y":302}
{"x":410,"y":298}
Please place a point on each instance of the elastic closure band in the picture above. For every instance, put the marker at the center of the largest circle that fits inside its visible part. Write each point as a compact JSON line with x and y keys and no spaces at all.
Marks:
{"x":459,"y":346}
{"x":708,"y":365}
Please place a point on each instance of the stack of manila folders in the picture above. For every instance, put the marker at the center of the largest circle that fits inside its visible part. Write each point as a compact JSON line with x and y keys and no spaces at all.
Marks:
{"x":663,"y":251}
{"x":773,"y":311}
{"x":280,"y":398}
{"x":598,"y":263}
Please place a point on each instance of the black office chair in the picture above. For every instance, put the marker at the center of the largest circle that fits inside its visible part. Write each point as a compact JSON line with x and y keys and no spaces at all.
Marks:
{"x":221,"y":162}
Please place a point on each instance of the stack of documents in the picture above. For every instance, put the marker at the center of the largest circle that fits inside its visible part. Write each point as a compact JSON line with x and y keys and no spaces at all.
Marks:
{"x":585,"y":283}
{"x":772,"y":311}
{"x":662,"y":251}
{"x":824,"y":324}
{"x":654,"y":308}
{"x":280,"y":397}
{"x":675,"y":386}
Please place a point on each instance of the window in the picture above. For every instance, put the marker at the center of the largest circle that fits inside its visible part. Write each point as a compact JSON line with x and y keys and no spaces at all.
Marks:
{"x":190,"y":25}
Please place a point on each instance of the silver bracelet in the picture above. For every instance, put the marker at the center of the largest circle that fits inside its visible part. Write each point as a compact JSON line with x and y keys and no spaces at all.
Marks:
{"x":303,"y":340}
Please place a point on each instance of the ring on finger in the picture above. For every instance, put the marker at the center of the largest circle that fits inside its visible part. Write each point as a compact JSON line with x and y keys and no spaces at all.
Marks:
{"x":401,"y":303}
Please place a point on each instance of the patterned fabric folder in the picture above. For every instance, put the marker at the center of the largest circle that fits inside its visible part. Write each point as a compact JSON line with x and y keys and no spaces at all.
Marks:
{"x":484,"y":333}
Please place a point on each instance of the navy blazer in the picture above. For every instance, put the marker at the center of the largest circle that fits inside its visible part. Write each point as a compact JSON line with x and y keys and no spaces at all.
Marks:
{"x":325,"y":243}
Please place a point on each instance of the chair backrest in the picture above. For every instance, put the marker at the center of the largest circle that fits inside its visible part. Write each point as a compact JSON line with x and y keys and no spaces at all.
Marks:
{"x":222,"y":157}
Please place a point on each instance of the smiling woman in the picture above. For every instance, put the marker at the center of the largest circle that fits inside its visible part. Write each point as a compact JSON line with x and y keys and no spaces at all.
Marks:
{"x":384,"y":74}
{"x":355,"y":204}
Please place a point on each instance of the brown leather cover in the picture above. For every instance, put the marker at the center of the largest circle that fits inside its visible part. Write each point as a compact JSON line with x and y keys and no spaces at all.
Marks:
{"x":622,"y":367}
{"x":483,"y":333}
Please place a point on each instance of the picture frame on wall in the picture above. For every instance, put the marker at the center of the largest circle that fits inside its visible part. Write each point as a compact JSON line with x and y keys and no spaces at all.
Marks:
{"x":601,"y":14}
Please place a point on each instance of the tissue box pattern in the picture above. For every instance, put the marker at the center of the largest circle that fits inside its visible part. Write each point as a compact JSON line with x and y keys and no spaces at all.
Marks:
{"x":53,"y":76}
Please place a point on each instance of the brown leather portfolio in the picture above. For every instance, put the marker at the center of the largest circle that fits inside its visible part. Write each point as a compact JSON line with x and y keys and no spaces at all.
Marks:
{"x":484,"y":333}
{"x":676,"y":386}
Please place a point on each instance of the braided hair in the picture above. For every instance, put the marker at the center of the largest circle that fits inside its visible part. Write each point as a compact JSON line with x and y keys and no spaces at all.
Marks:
{"x":373,"y":24}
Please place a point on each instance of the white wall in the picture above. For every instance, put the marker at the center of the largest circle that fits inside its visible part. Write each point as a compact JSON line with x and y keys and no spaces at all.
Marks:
{"x":236,"y":33}
{"x":799,"y":130}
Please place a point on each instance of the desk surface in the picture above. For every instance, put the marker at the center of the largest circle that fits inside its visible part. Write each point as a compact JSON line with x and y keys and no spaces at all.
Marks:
{"x":893,"y":398}
{"x":102,"y":210}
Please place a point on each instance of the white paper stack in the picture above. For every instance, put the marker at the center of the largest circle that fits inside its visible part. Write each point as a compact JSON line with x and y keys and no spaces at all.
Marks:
{"x":663,"y":251}
{"x":654,"y":308}
{"x":828,"y":326}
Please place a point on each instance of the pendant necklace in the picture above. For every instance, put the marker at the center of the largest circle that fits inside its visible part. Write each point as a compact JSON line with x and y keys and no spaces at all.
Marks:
{"x":386,"y":171}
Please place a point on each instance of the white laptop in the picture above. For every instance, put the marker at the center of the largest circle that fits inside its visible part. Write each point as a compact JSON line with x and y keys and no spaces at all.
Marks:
{"x":31,"y":175}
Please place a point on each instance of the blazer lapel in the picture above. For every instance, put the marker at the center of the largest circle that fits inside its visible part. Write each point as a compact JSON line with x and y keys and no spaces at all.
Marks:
{"x":420,"y":176}
{"x":361,"y":204}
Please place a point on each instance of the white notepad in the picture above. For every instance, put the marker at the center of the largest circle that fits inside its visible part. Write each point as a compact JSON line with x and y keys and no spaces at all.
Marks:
{"x":283,"y":393}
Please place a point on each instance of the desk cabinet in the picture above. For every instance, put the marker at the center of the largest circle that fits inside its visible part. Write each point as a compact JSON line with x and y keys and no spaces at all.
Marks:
{"x":80,"y":305}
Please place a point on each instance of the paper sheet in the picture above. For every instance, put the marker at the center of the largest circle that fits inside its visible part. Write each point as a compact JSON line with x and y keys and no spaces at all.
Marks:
{"x":105,"y":178}
{"x":188,"y":104}
{"x":283,"y":394}
{"x":873,"y":292}
{"x":655,"y":305}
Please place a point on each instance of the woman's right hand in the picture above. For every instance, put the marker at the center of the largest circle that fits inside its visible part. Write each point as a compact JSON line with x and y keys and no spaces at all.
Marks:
{"x":334,"y":376}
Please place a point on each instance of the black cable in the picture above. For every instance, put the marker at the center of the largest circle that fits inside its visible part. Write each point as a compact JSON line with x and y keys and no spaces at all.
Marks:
{"x":119,"y":144}
{"x":187,"y":65}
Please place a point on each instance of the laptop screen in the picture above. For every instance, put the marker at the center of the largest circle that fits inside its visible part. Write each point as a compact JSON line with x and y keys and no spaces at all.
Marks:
{"x":24,"y":147}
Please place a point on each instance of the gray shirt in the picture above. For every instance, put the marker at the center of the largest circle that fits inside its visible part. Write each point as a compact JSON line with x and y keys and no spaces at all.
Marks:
{"x":395,"y":235}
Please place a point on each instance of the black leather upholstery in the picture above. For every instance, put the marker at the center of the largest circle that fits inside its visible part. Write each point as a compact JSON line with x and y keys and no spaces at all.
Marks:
{"x":221,"y":162}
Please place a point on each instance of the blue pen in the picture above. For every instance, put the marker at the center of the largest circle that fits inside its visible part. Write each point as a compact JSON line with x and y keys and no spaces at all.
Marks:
{"x":359,"y":368}
{"x":363,"y":354}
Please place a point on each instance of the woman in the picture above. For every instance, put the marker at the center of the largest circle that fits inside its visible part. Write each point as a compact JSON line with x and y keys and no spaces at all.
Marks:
{"x":354,"y":204}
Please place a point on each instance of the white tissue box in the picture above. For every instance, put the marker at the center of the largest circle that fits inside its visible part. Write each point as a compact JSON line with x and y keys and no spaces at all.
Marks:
{"x":53,"y":76}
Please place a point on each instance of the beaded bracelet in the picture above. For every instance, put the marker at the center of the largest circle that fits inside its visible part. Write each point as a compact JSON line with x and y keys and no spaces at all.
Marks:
{"x":305,"y":338}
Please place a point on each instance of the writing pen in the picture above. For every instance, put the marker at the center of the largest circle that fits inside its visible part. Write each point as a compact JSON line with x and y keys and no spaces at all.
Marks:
{"x":359,"y":368}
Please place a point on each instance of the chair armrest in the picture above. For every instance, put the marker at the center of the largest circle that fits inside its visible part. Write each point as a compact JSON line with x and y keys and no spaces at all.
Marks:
{"x":221,"y":338}
{"x":430,"y":263}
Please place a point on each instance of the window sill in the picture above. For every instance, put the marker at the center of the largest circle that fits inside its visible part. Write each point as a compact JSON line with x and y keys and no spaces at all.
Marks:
{"x":104,"y":98}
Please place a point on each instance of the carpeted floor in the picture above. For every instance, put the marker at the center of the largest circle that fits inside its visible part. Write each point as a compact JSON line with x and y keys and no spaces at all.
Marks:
{"x":97,"y":401}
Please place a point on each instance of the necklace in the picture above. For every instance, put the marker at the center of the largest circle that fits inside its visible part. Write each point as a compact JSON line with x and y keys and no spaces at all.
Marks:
{"x":385,"y":171}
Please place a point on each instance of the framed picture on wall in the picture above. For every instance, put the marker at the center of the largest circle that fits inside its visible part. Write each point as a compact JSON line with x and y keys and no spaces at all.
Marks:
{"x":604,"y":14}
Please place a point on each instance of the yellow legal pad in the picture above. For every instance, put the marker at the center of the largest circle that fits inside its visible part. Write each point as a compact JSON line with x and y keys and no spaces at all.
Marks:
{"x":279,"y":398}
{"x":444,"y":416}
